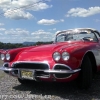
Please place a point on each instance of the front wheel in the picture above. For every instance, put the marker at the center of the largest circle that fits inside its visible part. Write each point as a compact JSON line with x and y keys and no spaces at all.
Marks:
{"x":85,"y":77}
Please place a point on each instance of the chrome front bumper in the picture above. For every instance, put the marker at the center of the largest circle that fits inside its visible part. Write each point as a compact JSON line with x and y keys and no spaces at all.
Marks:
{"x":41,"y":73}
{"x":50,"y":71}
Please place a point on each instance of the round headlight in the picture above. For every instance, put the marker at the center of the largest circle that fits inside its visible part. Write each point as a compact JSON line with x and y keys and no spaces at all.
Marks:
{"x":65,"y":56}
{"x":56,"y":56}
{"x":2,"y":56}
{"x":7,"y":56}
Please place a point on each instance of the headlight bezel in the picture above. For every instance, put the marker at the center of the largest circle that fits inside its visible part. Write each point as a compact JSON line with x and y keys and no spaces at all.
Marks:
{"x":7,"y":56}
{"x":2,"y":56}
{"x":56,"y":56}
{"x":65,"y":56}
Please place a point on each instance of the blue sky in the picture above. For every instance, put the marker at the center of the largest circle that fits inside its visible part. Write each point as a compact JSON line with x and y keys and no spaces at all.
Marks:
{"x":39,"y":20}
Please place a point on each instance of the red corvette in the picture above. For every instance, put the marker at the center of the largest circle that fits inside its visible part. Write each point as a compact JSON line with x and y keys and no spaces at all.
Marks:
{"x":75,"y":54}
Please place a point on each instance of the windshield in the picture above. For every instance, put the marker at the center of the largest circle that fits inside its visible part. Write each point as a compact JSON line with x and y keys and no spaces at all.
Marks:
{"x":75,"y":35}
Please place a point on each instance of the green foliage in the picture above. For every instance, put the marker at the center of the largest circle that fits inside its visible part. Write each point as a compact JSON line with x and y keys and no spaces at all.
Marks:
{"x":10,"y":45}
{"x":17,"y":45}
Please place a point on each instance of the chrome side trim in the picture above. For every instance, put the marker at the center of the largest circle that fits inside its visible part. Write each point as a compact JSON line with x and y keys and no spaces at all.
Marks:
{"x":62,"y":71}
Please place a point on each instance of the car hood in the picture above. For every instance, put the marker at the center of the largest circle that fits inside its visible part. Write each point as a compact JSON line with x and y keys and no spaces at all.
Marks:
{"x":55,"y":46}
{"x":44,"y":52}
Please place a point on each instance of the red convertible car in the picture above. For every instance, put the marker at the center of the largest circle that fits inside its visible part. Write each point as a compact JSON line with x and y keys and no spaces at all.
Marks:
{"x":74,"y":55}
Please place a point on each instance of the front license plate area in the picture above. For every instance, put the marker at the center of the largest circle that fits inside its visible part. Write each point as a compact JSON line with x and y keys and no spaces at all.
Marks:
{"x":27,"y":74}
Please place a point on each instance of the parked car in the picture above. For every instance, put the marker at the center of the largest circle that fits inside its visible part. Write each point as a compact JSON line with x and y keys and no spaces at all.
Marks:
{"x":74,"y":55}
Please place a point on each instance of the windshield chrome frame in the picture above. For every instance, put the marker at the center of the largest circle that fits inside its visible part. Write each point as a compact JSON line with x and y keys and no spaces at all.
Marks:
{"x":79,"y":30}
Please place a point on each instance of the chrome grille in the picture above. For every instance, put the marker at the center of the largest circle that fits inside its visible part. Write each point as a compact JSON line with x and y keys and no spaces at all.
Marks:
{"x":31,"y":65}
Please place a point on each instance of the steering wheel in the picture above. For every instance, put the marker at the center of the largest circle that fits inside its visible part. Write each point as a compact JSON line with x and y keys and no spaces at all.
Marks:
{"x":87,"y":39}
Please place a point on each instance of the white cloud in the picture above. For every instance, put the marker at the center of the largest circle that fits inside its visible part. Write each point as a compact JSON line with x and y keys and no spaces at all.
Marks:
{"x":49,"y":22}
{"x":16,"y":32}
{"x":39,"y":6}
{"x":40,"y":32}
{"x":27,"y":4}
{"x":4,"y":2}
{"x":17,"y":14}
{"x":19,"y":35}
{"x":52,"y":29}
{"x":82,"y":12}
{"x":62,"y":20}
{"x":34,"y":5}
{"x":1,"y":24}
{"x":42,"y":35}
{"x":16,"y":9}
{"x":2,"y":29}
